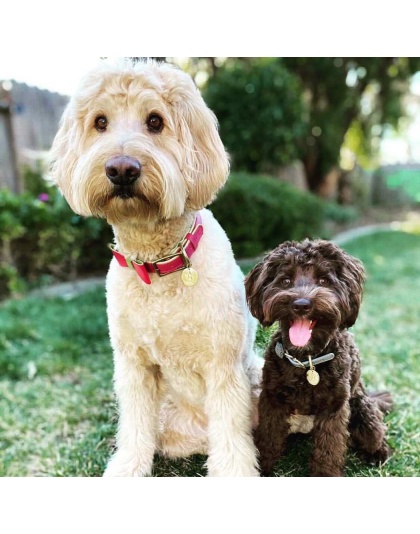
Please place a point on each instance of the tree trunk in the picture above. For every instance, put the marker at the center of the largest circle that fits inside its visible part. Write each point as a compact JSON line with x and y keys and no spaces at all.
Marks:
{"x":314,"y":168}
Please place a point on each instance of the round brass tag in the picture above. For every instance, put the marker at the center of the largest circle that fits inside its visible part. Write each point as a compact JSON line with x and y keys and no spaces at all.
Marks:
{"x":312,"y":377}
{"x":189,"y":277}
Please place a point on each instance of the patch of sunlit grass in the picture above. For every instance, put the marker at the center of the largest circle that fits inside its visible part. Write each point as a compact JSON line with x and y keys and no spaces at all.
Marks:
{"x":56,"y":399}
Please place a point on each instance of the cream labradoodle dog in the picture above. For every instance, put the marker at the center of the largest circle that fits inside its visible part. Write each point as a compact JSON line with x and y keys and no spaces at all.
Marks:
{"x":138,"y":146}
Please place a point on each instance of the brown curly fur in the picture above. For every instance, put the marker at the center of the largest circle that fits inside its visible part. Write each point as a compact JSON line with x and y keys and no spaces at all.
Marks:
{"x":343,"y":412}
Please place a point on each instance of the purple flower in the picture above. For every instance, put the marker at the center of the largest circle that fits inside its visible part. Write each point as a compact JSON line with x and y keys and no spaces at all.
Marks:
{"x":44,"y":197}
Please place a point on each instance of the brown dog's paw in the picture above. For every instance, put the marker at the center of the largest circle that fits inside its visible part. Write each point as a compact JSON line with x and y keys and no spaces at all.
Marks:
{"x":380,"y":456}
{"x":267,"y":468}
{"x":383,"y":400}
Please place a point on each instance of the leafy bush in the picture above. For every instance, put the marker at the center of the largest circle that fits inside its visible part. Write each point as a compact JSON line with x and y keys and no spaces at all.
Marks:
{"x":260,"y":112}
{"x":40,"y":235}
{"x":10,"y":282}
{"x":340,"y":214}
{"x":259,"y":212}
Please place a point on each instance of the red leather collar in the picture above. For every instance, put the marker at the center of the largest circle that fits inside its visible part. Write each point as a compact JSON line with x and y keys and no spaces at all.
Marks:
{"x":177,"y":261}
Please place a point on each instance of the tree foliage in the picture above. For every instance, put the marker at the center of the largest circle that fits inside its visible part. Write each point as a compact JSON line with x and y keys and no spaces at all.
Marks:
{"x":260,"y":109}
{"x":309,"y":112}
{"x":342,"y":91}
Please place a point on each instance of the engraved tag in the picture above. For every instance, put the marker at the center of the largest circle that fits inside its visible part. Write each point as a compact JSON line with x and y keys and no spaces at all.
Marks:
{"x":312,"y":377}
{"x":189,"y":277}
{"x":279,"y":350}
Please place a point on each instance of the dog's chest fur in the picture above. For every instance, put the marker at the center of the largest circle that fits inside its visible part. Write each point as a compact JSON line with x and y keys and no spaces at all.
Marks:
{"x":154,"y":316}
{"x":302,"y":401}
{"x":183,"y":330}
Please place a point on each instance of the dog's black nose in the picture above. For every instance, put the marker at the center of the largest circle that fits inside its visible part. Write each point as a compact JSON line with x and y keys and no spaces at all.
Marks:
{"x":123,"y":170}
{"x":302,"y":306}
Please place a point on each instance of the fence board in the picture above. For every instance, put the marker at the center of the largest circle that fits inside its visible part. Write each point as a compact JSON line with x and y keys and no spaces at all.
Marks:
{"x":34,"y":118}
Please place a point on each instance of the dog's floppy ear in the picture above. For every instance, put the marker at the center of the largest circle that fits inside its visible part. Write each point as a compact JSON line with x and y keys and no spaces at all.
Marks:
{"x":351,"y":272}
{"x":63,"y":158}
{"x":206,"y":164}
{"x":255,"y":283}
{"x":59,"y":151}
{"x":354,"y":276}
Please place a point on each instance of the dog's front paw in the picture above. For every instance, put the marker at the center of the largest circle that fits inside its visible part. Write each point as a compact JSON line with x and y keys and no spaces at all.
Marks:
{"x":380,"y":456}
{"x":127,"y":465}
{"x":267,"y":467}
{"x":231,"y":469}
{"x":250,"y":472}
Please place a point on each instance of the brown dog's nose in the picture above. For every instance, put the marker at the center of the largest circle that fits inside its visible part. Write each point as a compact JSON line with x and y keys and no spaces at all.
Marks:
{"x":302,"y":306}
{"x":123,"y":170}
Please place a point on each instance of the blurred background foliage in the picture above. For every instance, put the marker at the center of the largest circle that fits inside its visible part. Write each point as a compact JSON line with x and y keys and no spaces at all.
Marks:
{"x":261,"y":113}
{"x":303,"y":135}
{"x":42,"y":240}
{"x":274,"y":110}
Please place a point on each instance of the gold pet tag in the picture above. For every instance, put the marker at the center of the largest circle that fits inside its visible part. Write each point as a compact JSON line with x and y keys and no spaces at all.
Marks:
{"x":189,"y":277}
{"x":312,"y":377}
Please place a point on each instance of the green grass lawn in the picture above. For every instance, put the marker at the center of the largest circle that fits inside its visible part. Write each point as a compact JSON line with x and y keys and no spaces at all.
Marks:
{"x":57,"y":412}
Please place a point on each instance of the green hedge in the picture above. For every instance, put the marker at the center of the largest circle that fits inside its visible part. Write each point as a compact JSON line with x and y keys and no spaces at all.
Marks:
{"x":40,"y":237}
{"x":259,"y":212}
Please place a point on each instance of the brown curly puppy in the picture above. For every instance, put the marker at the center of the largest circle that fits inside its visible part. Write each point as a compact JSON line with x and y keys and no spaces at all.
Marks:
{"x":311,"y":376}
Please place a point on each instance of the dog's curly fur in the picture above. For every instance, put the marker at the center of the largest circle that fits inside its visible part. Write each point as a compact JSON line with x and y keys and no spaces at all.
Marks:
{"x":185,"y":370}
{"x":329,"y":283}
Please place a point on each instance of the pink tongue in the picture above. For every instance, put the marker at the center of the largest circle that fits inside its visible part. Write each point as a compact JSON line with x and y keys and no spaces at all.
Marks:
{"x":300,"y":333}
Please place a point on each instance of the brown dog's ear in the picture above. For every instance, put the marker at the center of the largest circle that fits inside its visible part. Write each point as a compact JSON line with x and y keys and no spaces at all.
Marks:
{"x":206,"y":163}
{"x":354,"y":276}
{"x":255,"y":283}
{"x":351,"y":272}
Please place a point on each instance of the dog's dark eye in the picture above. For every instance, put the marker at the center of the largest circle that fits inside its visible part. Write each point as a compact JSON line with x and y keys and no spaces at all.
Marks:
{"x":322,"y":281}
{"x":285,"y":282}
{"x":101,"y":123}
{"x":155,"y":123}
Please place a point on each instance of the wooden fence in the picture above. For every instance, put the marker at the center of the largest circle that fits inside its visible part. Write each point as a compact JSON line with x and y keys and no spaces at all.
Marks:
{"x":29,"y":119}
